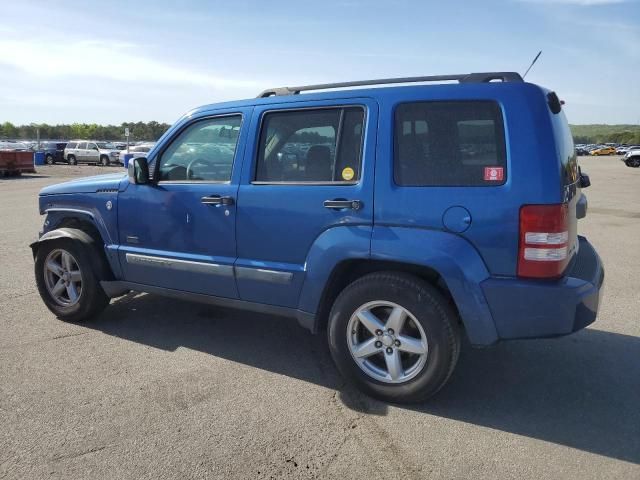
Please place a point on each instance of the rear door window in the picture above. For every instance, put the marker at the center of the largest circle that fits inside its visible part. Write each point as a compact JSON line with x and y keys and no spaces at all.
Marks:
{"x":457,"y":143}
{"x":311,"y":146}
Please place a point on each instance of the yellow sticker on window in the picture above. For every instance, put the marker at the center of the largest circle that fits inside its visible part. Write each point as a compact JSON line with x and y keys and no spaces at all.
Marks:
{"x":348,"y":174}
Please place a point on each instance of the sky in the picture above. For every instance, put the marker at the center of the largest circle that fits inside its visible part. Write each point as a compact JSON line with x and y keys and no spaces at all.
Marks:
{"x":113,"y":61}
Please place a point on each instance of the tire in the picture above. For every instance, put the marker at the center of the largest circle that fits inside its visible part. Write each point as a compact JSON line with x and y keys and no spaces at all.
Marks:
{"x":429,"y":316}
{"x":49,"y":159}
{"x":633,"y":162}
{"x":104,"y":161}
{"x":72,"y":160}
{"x":91,"y":299}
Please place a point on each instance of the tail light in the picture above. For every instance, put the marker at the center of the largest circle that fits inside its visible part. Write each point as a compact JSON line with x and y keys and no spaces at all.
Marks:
{"x":544,"y":241}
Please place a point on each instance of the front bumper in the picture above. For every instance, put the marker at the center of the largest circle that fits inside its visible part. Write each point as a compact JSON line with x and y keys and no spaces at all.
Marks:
{"x":535,"y":308}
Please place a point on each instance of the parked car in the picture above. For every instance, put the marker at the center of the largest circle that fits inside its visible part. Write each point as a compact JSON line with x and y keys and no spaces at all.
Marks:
{"x":140,"y":150}
{"x":53,"y":152}
{"x":396,"y":219}
{"x":15,"y":146}
{"x":632,"y":158}
{"x":81,"y":151}
{"x":624,"y":149}
{"x":582,"y":150}
{"x":603,"y":151}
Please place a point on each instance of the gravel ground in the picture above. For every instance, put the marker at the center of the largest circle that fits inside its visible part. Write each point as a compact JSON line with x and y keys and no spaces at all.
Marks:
{"x":159,"y":388}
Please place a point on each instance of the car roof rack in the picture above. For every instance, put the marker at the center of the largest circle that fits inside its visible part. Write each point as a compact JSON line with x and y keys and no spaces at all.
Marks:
{"x":482,"y":77}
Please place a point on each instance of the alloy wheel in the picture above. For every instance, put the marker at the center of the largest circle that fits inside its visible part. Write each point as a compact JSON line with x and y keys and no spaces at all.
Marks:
{"x":387,"y":342}
{"x":63,"y":277}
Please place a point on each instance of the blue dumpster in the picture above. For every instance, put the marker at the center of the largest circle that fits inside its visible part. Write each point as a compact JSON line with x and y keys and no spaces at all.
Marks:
{"x":38,"y":158}
{"x":125,"y":159}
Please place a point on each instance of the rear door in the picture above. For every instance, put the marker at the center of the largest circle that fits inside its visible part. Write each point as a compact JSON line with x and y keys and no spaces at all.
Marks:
{"x":309,"y":169}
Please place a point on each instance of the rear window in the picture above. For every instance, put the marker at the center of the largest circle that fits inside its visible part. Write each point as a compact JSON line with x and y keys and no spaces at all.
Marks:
{"x":449,"y":144}
{"x":566,"y":148}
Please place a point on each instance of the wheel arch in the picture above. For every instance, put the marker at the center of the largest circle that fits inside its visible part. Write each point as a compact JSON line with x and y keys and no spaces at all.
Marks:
{"x":349,"y":270}
{"x":82,"y":231}
{"x":443,"y":259}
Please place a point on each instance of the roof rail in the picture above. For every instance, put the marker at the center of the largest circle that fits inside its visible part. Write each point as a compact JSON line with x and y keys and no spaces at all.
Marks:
{"x":482,"y":77}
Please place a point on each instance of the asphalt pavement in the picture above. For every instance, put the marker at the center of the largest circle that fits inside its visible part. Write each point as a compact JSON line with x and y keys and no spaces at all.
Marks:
{"x":159,"y":388}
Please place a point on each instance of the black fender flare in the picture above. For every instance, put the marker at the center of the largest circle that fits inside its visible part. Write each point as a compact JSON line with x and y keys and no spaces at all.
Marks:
{"x":64,"y":232}
{"x":100,"y":264}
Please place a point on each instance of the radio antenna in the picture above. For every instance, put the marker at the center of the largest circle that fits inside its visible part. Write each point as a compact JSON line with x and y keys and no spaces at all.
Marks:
{"x":532,"y":63}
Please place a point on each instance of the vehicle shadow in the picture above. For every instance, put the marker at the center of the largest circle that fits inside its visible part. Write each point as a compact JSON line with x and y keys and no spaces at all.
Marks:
{"x":582,"y":391}
{"x":24,"y":176}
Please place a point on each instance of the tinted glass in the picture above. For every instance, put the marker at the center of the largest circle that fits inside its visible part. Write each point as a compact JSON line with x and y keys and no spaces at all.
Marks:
{"x":82,"y":146}
{"x":71,"y":145}
{"x":449,"y":144}
{"x":321,"y":145}
{"x":203,"y":152}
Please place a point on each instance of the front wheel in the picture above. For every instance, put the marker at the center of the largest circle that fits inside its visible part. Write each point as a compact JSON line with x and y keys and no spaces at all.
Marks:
{"x":104,"y":161}
{"x":395,"y":336}
{"x":68,"y":276}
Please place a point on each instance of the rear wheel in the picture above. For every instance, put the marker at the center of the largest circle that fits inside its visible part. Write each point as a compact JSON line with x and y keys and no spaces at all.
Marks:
{"x":394,"y":336}
{"x":49,"y":159}
{"x":72,"y":160}
{"x":104,"y":161}
{"x":68,"y":279}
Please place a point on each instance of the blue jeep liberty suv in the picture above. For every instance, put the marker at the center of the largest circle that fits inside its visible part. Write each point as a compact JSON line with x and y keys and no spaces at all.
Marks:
{"x":397,"y":219}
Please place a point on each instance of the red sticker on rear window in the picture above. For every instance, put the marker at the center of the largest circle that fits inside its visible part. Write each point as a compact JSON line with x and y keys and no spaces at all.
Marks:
{"x":493,"y":174}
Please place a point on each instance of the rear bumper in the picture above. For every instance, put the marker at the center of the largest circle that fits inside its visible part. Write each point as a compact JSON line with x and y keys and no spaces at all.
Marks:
{"x":533,"y":309}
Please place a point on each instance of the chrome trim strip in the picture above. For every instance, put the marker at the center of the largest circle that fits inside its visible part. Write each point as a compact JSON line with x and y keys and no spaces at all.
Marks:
{"x":180,"y":265}
{"x":306,"y":319}
{"x":63,"y":209}
{"x":264,"y":275}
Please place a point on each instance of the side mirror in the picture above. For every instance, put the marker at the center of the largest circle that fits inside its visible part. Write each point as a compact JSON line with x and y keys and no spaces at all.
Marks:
{"x":138,"y":171}
{"x":585,"y":181}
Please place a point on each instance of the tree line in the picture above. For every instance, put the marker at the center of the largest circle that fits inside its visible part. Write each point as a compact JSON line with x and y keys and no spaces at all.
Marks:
{"x":150,"y":131}
{"x":628,"y":134}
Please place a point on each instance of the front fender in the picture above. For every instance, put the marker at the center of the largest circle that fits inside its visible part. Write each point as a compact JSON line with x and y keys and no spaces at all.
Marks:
{"x":455,"y":259}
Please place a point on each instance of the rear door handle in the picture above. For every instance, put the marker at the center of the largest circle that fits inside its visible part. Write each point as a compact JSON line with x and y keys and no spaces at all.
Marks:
{"x":217,"y":200}
{"x":343,"y":204}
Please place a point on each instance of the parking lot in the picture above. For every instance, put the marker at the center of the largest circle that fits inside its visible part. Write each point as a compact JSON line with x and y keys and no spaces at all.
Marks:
{"x":160,"y":388}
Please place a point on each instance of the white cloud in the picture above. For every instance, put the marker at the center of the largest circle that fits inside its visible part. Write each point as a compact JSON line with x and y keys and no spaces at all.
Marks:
{"x":65,"y":57}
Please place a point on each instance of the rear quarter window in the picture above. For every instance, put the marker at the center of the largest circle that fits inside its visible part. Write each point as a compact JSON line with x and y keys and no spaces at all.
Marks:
{"x":441,"y":143}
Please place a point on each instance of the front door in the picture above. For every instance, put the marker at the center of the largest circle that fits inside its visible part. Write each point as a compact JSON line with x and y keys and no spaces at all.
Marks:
{"x":92,"y":154}
{"x":310,"y":180}
{"x":81,"y":152}
{"x":179,"y":232}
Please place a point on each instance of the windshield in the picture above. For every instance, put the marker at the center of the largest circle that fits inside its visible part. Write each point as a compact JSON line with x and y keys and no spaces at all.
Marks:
{"x":106,"y":145}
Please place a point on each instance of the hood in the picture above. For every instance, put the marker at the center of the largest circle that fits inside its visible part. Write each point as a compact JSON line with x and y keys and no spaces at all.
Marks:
{"x":86,"y":185}
{"x":108,"y":150}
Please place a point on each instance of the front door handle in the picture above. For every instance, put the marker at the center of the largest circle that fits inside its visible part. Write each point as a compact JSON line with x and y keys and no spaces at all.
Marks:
{"x":343,"y":204}
{"x":217,"y":200}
